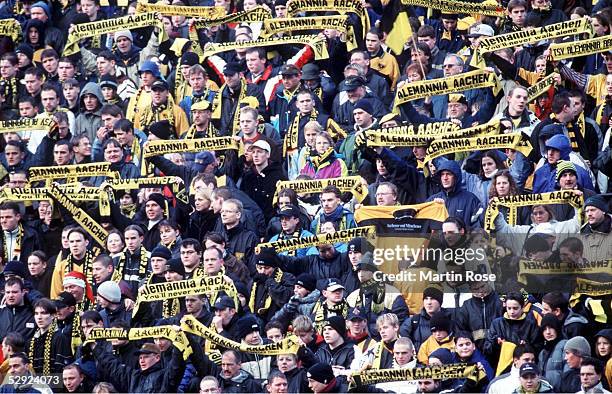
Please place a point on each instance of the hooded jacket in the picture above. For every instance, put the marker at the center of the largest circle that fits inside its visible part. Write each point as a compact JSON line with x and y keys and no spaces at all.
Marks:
{"x":459,"y":202}
{"x":544,"y":179}
{"x":551,"y":359}
{"x":89,"y":122}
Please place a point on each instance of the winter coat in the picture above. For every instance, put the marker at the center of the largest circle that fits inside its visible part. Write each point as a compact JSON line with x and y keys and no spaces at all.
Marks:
{"x":401,"y":174}
{"x":477,"y":314}
{"x":297,"y":306}
{"x":343,"y":355}
{"x":597,"y":240}
{"x":262,"y":186}
{"x":338,"y":266}
{"x":417,"y":328}
{"x":89,"y":122}
{"x":29,"y":243}
{"x":300,"y":252}
{"x":333,"y":167}
{"x":342,"y":216}
{"x":279,"y":293}
{"x":155,"y":379}
{"x":544,"y":387}
{"x":241,"y":243}
{"x":393,"y":302}
{"x":120,"y":314}
{"x":570,"y":381}
{"x":229,"y":106}
{"x":523,"y":329}
{"x":551,"y":361}
{"x":545,"y":178}
{"x":459,"y":203}
{"x":342,"y":111}
{"x":17,"y":318}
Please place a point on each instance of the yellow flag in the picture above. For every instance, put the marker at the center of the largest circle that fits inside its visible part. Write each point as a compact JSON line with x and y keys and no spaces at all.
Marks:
{"x":505,"y":356}
{"x":400,"y":33}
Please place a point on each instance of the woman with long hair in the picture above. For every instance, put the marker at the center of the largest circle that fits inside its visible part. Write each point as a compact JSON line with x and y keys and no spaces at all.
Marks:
{"x":504,"y":185}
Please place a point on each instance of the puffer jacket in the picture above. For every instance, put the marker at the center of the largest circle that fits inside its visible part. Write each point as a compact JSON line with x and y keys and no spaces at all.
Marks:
{"x":459,"y":203}
{"x":257,"y":365}
{"x":89,"y":122}
{"x":551,"y":361}
{"x":545,"y":177}
{"x":342,"y":355}
{"x":155,"y":379}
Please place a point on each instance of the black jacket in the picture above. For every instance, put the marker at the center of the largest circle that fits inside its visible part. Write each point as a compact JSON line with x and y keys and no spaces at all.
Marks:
{"x":477,"y":314}
{"x":241,"y":243}
{"x":229,"y":106}
{"x":570,"y":381}
{"x":342,"y":355}
{"x":338,"y":267}
{"x":262,"y":186}
{"x":418,"y":329}
{"x":279,"y":293}
{"x":19,"y":319}
{"x":154,"y":380}
{"x":515,"y":331}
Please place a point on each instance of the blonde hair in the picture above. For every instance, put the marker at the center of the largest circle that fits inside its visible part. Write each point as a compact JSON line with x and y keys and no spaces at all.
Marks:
{"x":390,"y":318}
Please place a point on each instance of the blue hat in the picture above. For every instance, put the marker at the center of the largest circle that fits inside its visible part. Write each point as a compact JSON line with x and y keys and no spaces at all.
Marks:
{"x":365,"y":105}
{"x":151,"y":67}
{"x":202,"y":160}
{"x":596,"y":201}
{"x":44,"y":6}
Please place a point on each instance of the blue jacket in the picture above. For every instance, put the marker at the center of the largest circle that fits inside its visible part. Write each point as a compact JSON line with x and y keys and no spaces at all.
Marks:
{"x":545,"y":178}
{"x":459,"y":202}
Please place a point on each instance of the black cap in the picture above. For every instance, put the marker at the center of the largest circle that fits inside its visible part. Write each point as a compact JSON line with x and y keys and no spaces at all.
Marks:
{"x":16,"y":268}
{"x":359,"y":245}
{"x":162,"y":129}
{"x":224,"y":302}
{"x":267,"y":256}
{"x":357,"y":313}
{"x":64,"y":299}
{"x":435,"y":293}
{"x":160,"y":84}
{"x":439,"y":322}
{"x":175,"y":265}
{"x":307,"y":281}
{"x":247,"y":325}
{"x":289,"y":211}
{"x":337,"y":323}
{"x":108,"y":81}
{"x":352,"y":83}
{"x":189,"y":59}
{"x":232,"y":68}
{"x":289,"y":69}
{"x":321,"y":372}
{"x":310,"y":71}
{"x":529,"y":369}
{"x":148,"y":348}
{"x":161,"y":251}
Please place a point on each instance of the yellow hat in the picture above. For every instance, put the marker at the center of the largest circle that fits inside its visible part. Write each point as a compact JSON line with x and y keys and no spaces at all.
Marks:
{"x":201,"y":105}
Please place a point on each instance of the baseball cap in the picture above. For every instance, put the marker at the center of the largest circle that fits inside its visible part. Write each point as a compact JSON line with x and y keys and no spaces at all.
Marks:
{"x":333,"y":284}
{"x":64,"y":299}
{"x":289,"y":211}
{"x":148,"y":348}
{"x":529,"y":369}
{"x":261,"y":144}
{"x":224,"y":302}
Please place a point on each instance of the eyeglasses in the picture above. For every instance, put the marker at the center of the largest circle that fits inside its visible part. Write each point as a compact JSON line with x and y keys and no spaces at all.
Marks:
{"x":383,"y":194}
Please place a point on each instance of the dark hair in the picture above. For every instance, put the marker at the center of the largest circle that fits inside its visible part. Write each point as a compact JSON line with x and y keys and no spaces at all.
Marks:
{"x":493,"y":155}
{"x":597,"y":365}
{"x":15,"y":340}
{"x":12,"y":205}
{"x":457,"y":221}
{"x":275,"y":324}
{"x":222,"y":192}
{"x":78,"y":230}
{"x":276,"y":374}
{"x":66,"y":143}
{"x":106,"y":54}
{"x":112,"y":142}
{"x":10,"y":57}
{"x":286,"y":192}
{"x":61,"y":117}
{"x":134,"y":227}
{"x":515,"y":296}
{"x":74,"y":366}
{"x":47,"y":305}
{"x":112,"y":110}
{"x":214,"y":237}
{"x":377,"y":32}
{"x":92,"y":316}
{"x":49,"y":52}
{"x":573,"y":244}
{"x":12,"y":281}
{"x":123,"y":125}
{"x":22,"y":356}
{"x":17,"y":144}
{"x":40,"y":254}
{"x":197,"y":246}
{"x":47,"y":87}
{"x":28,"y":99}
{"x":261,"y":53}
{"x":105,"y":259}
{"x":235,"y":354}
{"x":556,"y":300}
{"x":522,"y":349}
{"x":426,"y":31}
{"x":37,"y":72}
{"x":66,"y":59}
{"x":512,"y":4}
{"x":332,"y":189}
{"x":559,"y":101}
{"x":464,"y":334}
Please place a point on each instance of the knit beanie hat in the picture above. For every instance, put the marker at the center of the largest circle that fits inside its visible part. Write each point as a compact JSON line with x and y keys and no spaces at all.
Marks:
{"x":578,"y":345}
{"x":564,"y":166}
{"x":439,"y":322}
{"x":337,"y":323}
{"x":110,"y":291}
{"x":598,"y":202}
{"x":434,"y":293}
